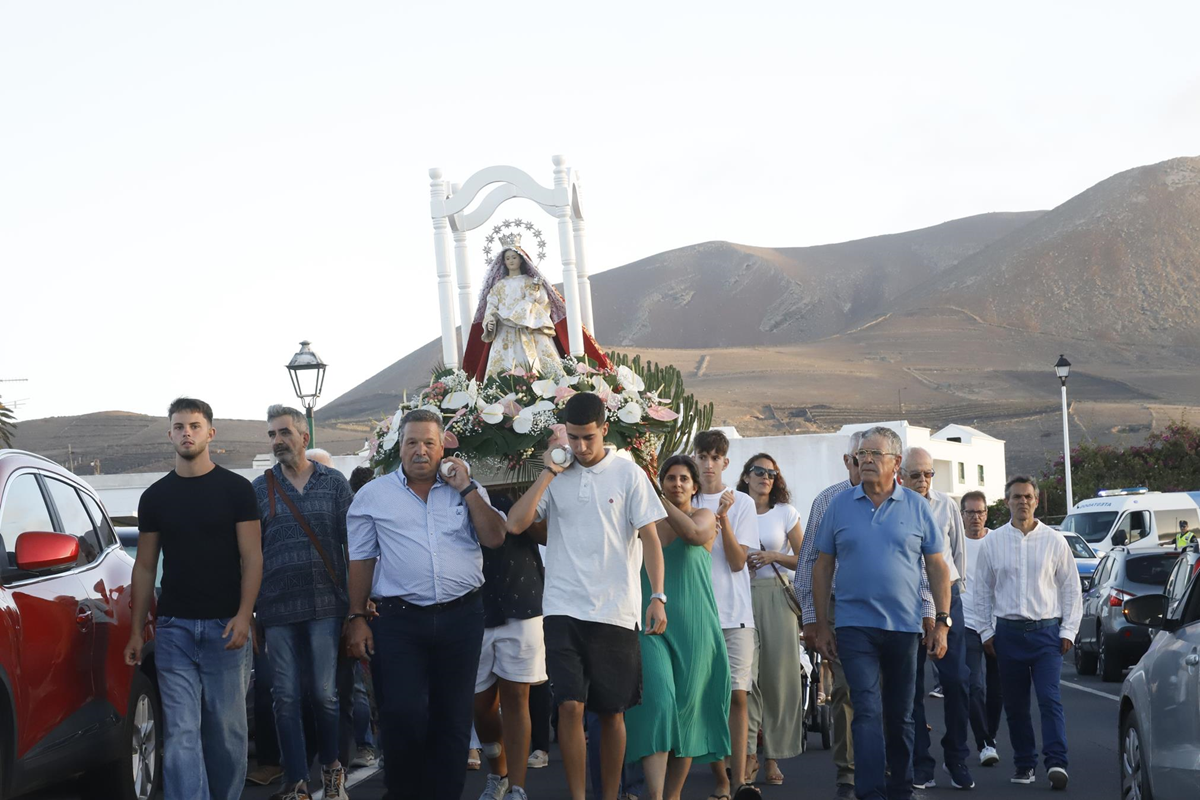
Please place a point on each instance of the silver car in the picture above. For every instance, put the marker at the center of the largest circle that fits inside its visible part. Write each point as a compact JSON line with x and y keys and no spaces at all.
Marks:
{"x":1160,"y":700}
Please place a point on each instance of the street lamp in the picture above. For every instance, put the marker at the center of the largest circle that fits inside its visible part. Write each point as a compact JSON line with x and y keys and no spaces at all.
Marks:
{"x":307,"y":372}
{"x":1062,"y":369}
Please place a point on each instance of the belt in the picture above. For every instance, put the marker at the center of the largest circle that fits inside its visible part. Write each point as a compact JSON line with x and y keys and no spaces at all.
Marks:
{"x":1027,"y":624}
{"x":400,"y":604}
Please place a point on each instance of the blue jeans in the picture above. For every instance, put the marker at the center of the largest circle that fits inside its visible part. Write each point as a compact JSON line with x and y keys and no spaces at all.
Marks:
{"x":880,"y":668}
{"x":424,"y":672}
{"x":985,"y":692}
{"x":304,"y":656}
{"x":1035,"y":657}
{"x":203,"y":689}
{"x":956,"y":678}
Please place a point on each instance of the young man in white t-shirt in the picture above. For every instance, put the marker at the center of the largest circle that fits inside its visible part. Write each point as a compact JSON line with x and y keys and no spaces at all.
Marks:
{"x":737,"y":520}
{"x":601,"y":512}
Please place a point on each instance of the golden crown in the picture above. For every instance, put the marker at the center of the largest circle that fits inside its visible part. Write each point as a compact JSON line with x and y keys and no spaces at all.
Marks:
{"x":510,"y":240}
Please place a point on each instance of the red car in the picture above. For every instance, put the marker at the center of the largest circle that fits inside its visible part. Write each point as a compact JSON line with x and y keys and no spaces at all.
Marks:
{"x":69,"y":705}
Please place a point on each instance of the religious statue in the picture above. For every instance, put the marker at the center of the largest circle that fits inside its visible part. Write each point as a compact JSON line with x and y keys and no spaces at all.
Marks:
{"x":521,"y":320}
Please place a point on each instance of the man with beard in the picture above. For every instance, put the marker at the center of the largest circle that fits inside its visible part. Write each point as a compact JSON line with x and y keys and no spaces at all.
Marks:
{"x":204,"y":519}
{"x":303,"y":604}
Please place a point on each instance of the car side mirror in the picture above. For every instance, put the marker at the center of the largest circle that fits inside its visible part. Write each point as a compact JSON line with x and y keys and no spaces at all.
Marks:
{"x":1149,"y":611}
{"x":37,"y":550}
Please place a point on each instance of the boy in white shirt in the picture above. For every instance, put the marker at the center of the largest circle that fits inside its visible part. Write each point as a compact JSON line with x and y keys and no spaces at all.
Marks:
{"x":601,"y":512}
{"x":737,"y":521}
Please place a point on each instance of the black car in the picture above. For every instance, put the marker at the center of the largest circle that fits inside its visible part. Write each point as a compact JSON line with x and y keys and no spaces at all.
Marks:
{"x":1107,"y":642}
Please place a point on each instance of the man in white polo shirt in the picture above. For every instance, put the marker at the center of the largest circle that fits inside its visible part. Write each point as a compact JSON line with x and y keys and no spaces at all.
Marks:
{"x":737,"y":520}
{"x":601,"y":512}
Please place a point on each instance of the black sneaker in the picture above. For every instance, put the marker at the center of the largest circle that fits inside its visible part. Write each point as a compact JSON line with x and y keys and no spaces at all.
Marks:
{"x":960,"y":776}
{"x":1057,"y":777}
{"x":1025,"y":776}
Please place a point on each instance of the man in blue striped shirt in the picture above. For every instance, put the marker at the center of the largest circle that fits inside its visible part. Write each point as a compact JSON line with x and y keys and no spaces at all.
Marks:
{"x":425,"y":527}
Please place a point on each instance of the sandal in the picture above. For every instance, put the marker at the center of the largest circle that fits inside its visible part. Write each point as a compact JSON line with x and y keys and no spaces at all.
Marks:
{"x":717,"y":797}
{"x":752,"y":773}
{"x":774,"y":778}
{"x":747,"y":792}
{"x":473,"y":760}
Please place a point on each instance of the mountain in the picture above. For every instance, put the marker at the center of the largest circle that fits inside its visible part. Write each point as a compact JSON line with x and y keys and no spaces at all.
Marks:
{"x":1119,"y":263}
{"x":720,"y":294}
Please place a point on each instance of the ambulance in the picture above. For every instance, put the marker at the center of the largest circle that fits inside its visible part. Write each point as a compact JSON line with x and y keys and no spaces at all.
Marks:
{"x":1136,"y":517}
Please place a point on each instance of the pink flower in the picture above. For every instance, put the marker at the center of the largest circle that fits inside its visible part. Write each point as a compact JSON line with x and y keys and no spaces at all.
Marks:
{"x":558,"y":436}
{"x":516,"y":372}
{"x":661,"y":413}
{"x":511,"y":406}
{"x":562,"y":393}
{"x":449,"y":440}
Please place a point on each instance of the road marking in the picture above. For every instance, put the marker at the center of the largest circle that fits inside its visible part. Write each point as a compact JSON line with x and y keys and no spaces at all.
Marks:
{"x":353,"y":779}
{"x":1090,"y":690}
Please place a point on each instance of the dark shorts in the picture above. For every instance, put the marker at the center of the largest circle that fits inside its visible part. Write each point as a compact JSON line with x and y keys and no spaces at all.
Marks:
{"x":593,"y":663}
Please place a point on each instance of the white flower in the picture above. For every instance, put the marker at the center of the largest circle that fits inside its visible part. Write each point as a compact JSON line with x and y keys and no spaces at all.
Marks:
{"x":598,"y":383}
{"x":467,"y":398}
{"x":570,"y":380}
{"x":630,"y":379}
{"x":630,"y":413}
{"x":541,"y":405}
{"x":523,"y":421}
{"x":492,"y":414}
{"x":544,"y":388}
{"x":389,"y":441}
{"x":431,"y":408}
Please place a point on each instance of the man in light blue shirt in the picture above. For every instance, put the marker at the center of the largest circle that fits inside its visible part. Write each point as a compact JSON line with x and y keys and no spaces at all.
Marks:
{"x":878,"y":533}
{"x":425,"y":528}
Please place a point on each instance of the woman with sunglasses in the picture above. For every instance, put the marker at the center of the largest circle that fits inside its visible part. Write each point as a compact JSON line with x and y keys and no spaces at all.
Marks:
{"x":775,"y":700}
{"x":684,"y":713}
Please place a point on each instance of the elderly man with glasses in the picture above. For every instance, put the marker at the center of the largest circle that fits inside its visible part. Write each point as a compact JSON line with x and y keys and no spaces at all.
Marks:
{"x":879,"y":533}
{"x":953,"y":675}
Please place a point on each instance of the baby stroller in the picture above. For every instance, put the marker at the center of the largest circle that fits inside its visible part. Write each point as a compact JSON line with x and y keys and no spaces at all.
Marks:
{"x":816,"y":716}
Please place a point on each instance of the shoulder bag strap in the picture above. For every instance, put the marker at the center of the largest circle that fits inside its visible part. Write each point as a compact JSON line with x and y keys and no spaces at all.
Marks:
{"x":272,"y":490}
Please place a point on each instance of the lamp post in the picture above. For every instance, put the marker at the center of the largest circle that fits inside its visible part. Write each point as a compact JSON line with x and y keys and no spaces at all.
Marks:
{"x":1062,"y":369}
{"x":307,"y":372}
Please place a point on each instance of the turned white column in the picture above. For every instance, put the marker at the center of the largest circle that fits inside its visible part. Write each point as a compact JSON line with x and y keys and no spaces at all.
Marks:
{"x":462,"y":269}
{"x":437,"y":202}
{"x":585,"y":283}
{"x":566,"y":246}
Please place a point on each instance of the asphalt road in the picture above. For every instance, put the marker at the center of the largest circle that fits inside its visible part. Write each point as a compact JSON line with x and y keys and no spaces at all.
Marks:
{"x":1091,"y":710}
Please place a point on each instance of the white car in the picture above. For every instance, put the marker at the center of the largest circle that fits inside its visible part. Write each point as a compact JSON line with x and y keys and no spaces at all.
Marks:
{"x":1160,"y":701}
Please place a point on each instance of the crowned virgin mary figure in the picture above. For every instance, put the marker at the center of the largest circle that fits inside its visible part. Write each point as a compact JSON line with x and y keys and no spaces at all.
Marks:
{"x":521,"y":321}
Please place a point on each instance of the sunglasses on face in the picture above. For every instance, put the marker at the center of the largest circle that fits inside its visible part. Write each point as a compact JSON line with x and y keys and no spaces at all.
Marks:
{"x":763,"y":472}
{"x":916,"y":474}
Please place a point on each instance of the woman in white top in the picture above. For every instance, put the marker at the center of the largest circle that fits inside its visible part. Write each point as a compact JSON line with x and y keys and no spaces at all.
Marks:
{"x":775,"y":700}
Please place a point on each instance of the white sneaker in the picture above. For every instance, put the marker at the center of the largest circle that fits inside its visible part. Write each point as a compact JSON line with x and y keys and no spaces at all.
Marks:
{"x":496,"y":788}
{"x":988,"y":756}
{"x":334,"y":782}
{"x":516,"y":793}
{"x":1058,"y":777}
{"x":538,"y":759}
{"x":364,"y":758}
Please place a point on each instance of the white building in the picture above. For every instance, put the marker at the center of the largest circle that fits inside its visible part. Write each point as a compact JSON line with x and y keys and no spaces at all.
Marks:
{"x":964,"y":459}
{"x":121,"y":493}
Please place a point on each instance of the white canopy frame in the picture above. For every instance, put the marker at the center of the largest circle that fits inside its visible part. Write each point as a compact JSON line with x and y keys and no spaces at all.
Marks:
{"x":448,"y":207}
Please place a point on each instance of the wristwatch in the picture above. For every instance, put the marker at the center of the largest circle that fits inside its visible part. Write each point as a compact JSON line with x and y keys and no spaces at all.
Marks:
{"x":659,"y":596}
{"x":472,"y":486}
{"x":944,"y":618}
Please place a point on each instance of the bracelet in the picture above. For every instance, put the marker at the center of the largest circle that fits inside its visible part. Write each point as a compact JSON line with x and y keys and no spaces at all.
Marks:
{"x":472,"y":486}
{"x":355,"y":616}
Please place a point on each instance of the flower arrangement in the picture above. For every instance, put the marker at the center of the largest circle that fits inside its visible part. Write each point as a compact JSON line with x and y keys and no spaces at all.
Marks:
{"x":501,"y":422}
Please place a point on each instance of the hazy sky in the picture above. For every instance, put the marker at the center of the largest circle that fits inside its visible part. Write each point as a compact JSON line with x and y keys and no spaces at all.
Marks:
{"x":189,"y":189}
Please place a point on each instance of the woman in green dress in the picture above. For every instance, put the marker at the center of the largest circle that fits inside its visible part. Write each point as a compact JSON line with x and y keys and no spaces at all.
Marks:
{"x":684,"y":713}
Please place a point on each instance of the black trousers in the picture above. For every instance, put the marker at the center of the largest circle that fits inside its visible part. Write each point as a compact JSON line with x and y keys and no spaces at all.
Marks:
{"x":539,"y":717}
{"x":424,"y":671}
{"x":986,"y":702}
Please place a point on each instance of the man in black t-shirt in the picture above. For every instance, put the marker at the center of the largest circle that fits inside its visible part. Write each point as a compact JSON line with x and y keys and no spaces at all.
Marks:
{"x":512,"y":658}
{"x":205,"y":521}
